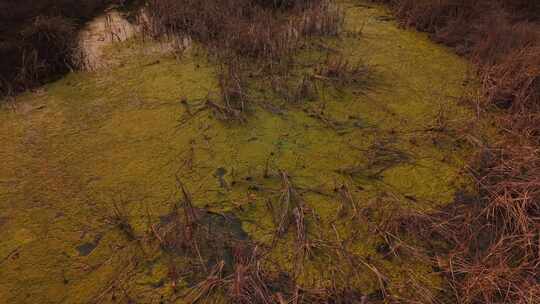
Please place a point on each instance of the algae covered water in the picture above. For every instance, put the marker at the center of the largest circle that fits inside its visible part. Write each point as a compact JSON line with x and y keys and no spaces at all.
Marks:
{"x":102,"y":171}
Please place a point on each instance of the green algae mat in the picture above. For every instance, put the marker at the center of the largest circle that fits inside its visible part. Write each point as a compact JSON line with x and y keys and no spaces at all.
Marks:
{"x":117,"y":186}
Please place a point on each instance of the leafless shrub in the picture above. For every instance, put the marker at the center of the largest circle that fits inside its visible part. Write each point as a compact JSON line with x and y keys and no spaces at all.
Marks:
{"x":292,"y":210}
{"x":48,"y":46}
{"x":341,"y":71}
{"x":233,"y":89}
{"x":324,"y":18}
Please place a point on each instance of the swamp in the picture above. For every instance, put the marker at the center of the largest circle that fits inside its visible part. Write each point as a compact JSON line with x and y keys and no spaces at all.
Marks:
{"x":240,"y":151}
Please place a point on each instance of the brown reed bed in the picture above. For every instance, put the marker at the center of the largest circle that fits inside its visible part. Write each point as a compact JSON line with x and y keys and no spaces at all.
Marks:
{"x":494,"y":237}
{"x":251,"y":39}
{"x":244,"y":27}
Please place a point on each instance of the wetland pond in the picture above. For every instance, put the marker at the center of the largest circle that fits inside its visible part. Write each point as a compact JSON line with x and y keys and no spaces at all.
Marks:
{"x":114,"y":188}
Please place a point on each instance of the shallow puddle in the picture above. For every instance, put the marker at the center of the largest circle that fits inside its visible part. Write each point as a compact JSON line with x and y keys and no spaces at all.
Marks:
{"x":94,"y":151}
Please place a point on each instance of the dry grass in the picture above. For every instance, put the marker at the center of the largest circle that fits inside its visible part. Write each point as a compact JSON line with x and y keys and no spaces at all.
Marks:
{"x":244,"y":27}
{"x":341,"y":71}
{"x":495,"y":238}
{"x":251,"y":40}
{"x":39,"y":39}
{"x":45,"y":47}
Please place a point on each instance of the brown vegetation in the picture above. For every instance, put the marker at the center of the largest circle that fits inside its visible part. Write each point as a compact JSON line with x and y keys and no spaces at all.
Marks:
{"x":495,"y":238}
{"x":342,"y":72}
{"x":244,"y":27}
{"x":251,"y":40}
{"x":39,"y":39}
{"x":241,"y":270}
